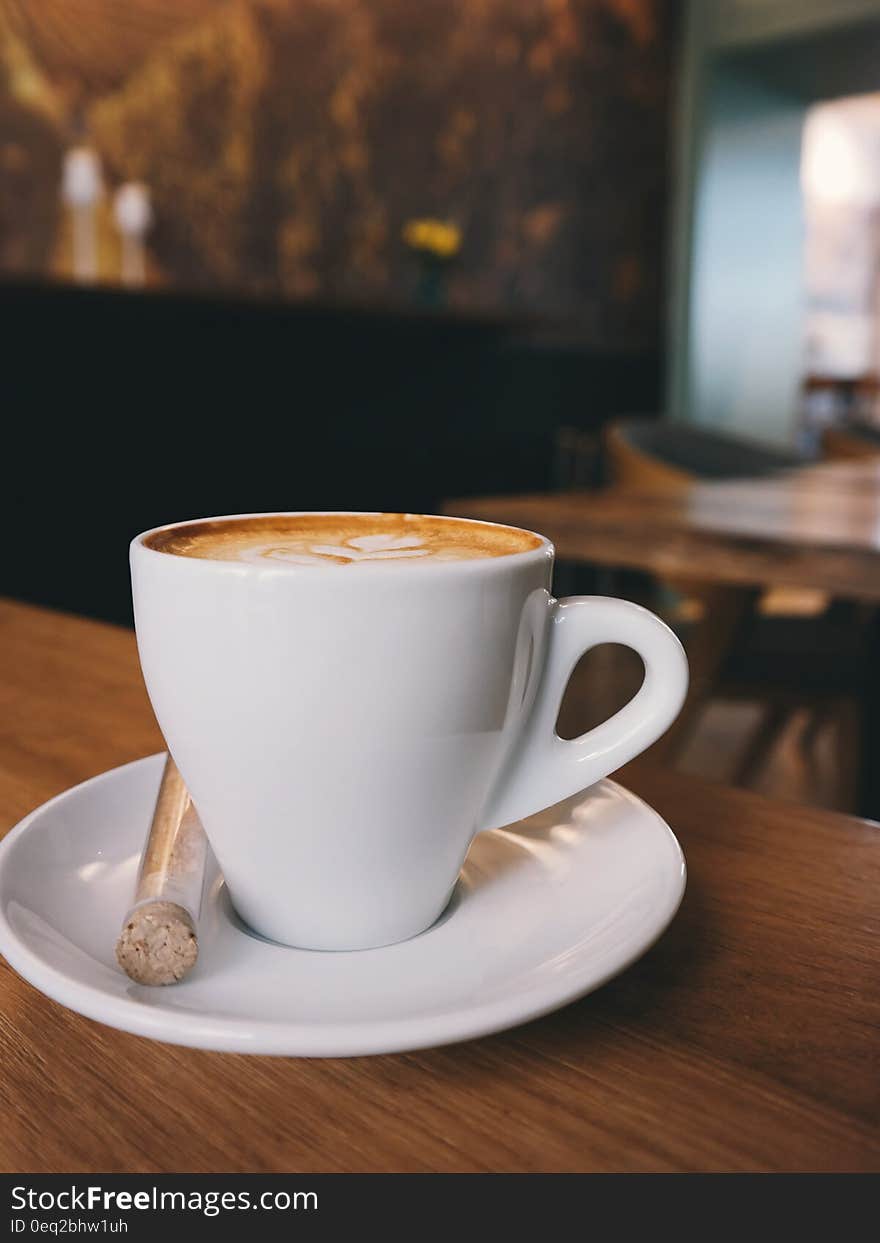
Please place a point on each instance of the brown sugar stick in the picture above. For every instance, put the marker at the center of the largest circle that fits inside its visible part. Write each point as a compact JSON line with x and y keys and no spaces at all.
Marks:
{"x":158,"y":943}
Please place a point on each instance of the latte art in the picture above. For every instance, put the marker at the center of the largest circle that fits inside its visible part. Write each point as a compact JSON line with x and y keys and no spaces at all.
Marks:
{"x":334,"y":540}
{"x":359,"y":548}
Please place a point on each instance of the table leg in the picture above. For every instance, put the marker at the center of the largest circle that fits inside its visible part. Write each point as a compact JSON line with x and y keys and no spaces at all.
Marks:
{"x":727,"y":611}
{"x":869,"y":726}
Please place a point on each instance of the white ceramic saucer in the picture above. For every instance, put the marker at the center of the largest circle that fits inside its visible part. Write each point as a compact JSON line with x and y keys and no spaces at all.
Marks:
{"x":545,"y":911}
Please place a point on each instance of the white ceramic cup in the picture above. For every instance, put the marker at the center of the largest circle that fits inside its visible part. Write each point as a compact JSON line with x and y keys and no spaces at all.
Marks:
{"x":346,"y":733}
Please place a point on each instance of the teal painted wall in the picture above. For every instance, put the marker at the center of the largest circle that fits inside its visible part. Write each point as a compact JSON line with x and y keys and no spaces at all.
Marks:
{"x":746,"y":301}
{"x":749,"y":70}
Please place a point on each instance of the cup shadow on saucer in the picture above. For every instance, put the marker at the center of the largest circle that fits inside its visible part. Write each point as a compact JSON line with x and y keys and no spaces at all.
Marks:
{"x":232,"y":916}
{"x":493,"y":857}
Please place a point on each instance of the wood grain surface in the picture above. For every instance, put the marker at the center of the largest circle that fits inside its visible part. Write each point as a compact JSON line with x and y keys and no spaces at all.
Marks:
{"x":747,"y":1039}
{"x":818,"y":527}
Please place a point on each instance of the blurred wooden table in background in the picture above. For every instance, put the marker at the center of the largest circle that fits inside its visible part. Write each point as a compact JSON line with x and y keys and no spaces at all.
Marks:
{"x":817,"y":527}
{"x":744,"y":1040}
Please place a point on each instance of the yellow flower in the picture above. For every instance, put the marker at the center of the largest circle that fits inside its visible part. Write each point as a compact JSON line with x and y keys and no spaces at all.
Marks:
{"x":440,"y":238}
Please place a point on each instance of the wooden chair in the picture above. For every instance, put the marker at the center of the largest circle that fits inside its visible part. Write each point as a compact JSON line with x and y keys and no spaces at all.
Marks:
{"x":652,"y":454}
{"x":787,"y":650}
{"x":853,"y":441}
{"x":655,"y":456}
{"x":837,"y":413}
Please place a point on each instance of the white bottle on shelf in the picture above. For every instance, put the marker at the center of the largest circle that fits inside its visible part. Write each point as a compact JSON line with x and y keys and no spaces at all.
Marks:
{"x":133,"y":214}
{"x":82,"y":186}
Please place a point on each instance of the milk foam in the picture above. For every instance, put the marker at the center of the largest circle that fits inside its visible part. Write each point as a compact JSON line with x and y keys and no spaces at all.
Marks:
{"x":326,"y":539}
{"x":358,"y":548}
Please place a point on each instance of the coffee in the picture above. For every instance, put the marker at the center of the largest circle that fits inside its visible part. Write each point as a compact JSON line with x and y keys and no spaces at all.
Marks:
{"x":345,"y":732}
{"x":338,"y":539}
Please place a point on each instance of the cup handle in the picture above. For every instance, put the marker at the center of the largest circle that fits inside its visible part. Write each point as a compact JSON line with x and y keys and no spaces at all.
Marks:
{"x":542,"y":768}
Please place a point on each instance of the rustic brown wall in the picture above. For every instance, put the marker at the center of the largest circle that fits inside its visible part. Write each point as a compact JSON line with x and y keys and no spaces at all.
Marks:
{"x":286,"y":144}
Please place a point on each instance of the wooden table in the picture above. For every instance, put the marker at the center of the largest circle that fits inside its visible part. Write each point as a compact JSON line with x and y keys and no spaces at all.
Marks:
{"x":817,"y":527}
{"x":745,"y":1040}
